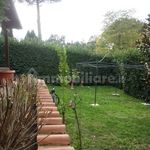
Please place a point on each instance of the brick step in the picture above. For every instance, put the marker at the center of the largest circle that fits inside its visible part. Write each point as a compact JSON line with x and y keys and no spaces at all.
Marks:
{"x":46,"y":101}
{"x":46,"y":104}
{"x":43,"y":89}
{"x":55,"y":148}
{"x":47,"y":129}
{"x":43,"y":101}
{"x":45,"y":96}
{"x":42,"y":85}
{"x":52,"y":135}
{"x":43,"y":92}
{"x":50,"y":121}
{"x":43,"y":108}
{"x":57,"y":139}
{"x":43,"y":114}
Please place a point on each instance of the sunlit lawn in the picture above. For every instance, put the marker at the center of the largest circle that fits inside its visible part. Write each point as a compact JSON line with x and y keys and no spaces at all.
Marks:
{"x":118,"y":123}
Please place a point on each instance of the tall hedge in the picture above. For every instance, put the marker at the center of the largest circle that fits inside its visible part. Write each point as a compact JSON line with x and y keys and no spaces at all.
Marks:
{"x":44,"y":60}
{"x":134,"y":72}
{"x":26,"y":56}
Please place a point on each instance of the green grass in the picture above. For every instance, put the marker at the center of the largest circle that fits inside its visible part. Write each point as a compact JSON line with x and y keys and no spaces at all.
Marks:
{"x":118,"y":123}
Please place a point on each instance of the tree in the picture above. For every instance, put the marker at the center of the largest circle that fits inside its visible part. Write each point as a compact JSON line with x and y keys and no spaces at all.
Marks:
{"x":31,"y":35}
{"x":37,"y":3}
{"x":144,"y":41}
{"x":91,"y":44}
{"x":111,"y":16}
{"x":2,"y":6}
{"x":144,"y":45}
{"x":120,"y":29}
{"x":56,"y":40}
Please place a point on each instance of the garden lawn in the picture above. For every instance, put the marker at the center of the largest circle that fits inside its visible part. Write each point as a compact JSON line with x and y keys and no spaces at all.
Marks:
{"x":118,"y":123}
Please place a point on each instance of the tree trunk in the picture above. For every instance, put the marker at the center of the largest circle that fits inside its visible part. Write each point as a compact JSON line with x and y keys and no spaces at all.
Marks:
{"x":6,"y":46}
{"x":38,"y":20}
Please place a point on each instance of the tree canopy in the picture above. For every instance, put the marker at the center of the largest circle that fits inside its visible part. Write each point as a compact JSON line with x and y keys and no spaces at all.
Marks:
{"x":122,"y":32}
{"x":40,"y":1}
{"x":144,"y":46}
{"x":2,"y":7}
{"x":31,"y":35}
{"x":56,"y":40}
{"x":37,"y":3}
{"x":112,"y":16}
{"x":144,"y":41}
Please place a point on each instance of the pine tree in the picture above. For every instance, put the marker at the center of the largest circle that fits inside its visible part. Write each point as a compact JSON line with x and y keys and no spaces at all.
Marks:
{"x":31,"y":35}
{"x":38,"y":2}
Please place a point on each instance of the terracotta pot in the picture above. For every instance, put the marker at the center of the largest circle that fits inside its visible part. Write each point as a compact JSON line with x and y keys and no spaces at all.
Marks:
{"x":6,"y":74}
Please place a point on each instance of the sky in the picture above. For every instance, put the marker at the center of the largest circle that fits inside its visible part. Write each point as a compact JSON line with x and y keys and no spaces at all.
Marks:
{"x":77,"y":20}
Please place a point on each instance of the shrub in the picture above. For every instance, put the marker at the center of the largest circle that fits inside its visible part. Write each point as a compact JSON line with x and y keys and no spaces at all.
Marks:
{"x":134,"y":72}
{"x":25,"y":55}
{"x":44,"y":59}
{"x":18,"y":119}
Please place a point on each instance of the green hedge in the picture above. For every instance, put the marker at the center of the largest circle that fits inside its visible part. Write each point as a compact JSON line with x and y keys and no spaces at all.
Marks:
{"x":87,"y":74}
{"x":132,"y":70}
{"x":43,"y":58}
{"x":134,"y":76}
{"x":26,"y":55}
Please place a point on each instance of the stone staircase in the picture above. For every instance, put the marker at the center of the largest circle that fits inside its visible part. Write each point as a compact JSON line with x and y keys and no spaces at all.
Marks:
{"x":52,"y":135}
